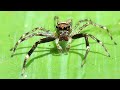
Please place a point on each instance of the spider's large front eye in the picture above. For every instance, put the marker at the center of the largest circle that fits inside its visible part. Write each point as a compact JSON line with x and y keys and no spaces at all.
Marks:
{"x":65,"y":28}
{"x":56,"y":26}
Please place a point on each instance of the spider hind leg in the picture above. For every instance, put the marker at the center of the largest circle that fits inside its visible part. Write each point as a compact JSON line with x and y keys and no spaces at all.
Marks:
{"x":90,"y":22}
{"x":23,"y":36}
{"x":101,"y":43}
{"x":27,"y":36}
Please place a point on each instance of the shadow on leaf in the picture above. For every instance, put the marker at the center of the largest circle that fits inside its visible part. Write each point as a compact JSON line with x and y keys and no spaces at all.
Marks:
{"x":54,"y":52}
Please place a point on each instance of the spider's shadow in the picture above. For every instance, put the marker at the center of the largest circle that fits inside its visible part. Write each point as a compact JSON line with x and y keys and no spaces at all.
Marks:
{"x":54,"y":51}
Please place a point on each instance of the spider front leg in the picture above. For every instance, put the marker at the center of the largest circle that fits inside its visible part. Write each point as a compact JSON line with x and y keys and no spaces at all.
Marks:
{"x":90,"y":22}
{"x":44,"y":40}
{"x":76,"y":36}
{"x":58,"y":45}
{"x":68,"y":44}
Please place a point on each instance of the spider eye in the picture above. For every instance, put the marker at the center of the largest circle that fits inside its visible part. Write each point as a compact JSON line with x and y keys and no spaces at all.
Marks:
{"x":68,"y":27}
{"x":56,"y":26}
{"x":65,"y":28}
{"x":60,"y":28}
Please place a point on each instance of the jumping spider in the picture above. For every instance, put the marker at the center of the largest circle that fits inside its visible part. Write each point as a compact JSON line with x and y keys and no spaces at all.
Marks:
{"x":63,"y":33}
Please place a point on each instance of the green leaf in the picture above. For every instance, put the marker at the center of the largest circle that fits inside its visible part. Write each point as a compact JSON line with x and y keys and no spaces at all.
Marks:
{"x":45,"y":62}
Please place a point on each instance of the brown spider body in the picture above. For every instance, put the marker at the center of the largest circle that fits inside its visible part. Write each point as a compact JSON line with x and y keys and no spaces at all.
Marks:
{"x":63,"y":33}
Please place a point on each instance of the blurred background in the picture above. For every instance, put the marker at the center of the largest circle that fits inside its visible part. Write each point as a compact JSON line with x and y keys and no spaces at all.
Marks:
{"x":45,"y":62}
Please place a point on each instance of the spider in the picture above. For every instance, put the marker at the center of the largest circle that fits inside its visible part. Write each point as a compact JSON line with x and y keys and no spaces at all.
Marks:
{"x":63,"y":33}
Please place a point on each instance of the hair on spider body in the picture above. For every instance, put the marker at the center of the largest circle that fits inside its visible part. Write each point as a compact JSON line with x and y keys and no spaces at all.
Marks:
{"x":63,"y":33}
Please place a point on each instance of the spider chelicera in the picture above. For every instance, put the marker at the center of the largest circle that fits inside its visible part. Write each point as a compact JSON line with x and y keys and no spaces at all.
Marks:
{"x":63,"y":33}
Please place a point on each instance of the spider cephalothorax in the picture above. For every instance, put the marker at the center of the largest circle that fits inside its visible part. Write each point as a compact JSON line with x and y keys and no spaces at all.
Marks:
{"x":63,"y":30}
{"x":63,"y":33}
